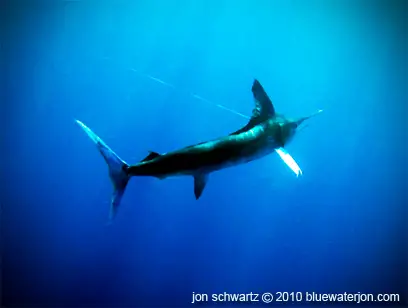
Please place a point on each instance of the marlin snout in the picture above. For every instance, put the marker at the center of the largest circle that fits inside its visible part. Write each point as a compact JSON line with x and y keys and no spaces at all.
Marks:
{"x":301,"y":120}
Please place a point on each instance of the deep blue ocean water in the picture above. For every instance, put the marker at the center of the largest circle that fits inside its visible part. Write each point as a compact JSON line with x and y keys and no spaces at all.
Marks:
{"x":342,"y":227}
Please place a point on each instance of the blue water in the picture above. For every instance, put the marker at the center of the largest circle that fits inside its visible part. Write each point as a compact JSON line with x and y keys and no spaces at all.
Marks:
{"x":342,"y":227}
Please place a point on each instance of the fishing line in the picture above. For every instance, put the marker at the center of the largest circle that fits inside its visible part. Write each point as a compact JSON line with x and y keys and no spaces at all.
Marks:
{"x":155,"y":79}
{"x":190,"y":94}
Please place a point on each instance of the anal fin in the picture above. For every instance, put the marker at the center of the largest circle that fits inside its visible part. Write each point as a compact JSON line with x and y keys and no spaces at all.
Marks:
{"x":200,"y":180}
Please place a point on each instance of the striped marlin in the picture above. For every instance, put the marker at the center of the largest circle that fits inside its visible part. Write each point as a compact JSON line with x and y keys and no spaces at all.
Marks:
{"x":265,"y":132}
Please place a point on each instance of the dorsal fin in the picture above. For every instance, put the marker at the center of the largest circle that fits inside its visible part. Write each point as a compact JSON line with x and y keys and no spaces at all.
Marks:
{"x":263,"y":105}
{"x":263,"y":109}
{"x":152,"y":155}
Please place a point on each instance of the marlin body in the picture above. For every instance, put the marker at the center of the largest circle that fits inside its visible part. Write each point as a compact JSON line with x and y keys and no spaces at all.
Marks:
{"x":265,"y":132}
{"x":210,"y":156}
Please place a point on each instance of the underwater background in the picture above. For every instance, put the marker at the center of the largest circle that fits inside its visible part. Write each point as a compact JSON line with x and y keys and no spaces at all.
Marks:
{"x":342,"y":227}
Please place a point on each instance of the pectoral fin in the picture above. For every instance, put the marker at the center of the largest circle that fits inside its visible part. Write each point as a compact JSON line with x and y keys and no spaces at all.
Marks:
{"x":200,"y":180}
{"x":289,"y":161}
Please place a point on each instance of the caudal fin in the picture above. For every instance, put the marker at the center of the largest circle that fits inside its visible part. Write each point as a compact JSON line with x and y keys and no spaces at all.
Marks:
{"x":116,"y":165}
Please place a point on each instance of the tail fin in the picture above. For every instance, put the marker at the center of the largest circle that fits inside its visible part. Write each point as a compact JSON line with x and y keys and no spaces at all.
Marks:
{"x":117,"y":169}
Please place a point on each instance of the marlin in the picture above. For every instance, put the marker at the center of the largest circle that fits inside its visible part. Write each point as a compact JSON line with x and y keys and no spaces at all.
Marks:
{"x":265,"y":133}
